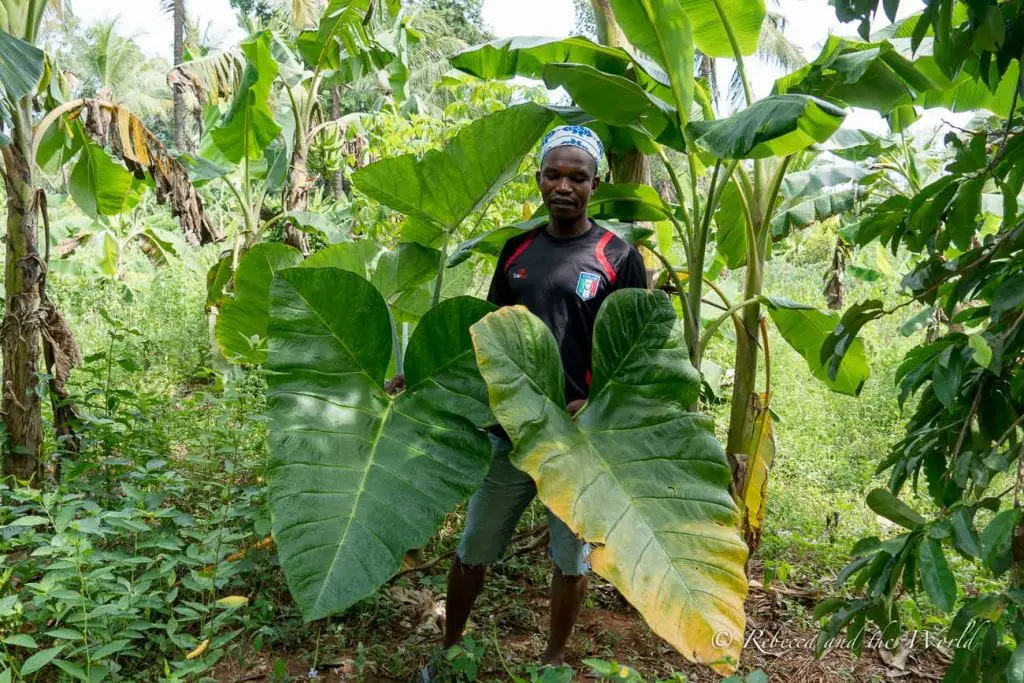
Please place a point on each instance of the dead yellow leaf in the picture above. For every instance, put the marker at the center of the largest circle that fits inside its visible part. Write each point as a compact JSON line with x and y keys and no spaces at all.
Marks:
{"x":233,"y":601}
{"x":198,"y":652}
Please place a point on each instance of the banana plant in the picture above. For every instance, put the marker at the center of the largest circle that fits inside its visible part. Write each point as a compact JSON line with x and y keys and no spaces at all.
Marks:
{"x":246,"y":150}
{"x":21,"y":71}
{"x":895,"y":73}
{"x":34,"y":124}
{"x":257,"y":153}
{"x":111,"y":243}
{"x":342,"y":48}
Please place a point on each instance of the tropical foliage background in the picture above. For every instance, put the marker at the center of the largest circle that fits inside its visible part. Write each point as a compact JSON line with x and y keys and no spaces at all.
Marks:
{"x":802,"y":454}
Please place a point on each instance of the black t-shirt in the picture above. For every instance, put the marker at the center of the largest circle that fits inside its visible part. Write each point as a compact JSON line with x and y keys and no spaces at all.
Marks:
{"x":564,"y":282}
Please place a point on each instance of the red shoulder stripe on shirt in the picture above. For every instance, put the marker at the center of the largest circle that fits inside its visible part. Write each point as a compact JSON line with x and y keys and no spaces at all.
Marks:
{"x":520,"y":249}
{"x":599,"y":252}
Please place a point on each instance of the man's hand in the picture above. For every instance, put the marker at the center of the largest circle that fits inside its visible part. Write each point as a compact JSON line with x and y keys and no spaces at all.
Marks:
{"x":395,"y":385}
{"x":575,"y":407}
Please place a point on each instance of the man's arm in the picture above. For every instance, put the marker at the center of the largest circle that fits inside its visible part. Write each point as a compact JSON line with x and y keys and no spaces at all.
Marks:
{"x":633,"y":272}
{"x":500,"y":293}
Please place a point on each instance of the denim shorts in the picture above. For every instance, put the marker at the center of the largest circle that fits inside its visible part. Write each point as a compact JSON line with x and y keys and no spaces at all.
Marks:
{"x":495,"y":509}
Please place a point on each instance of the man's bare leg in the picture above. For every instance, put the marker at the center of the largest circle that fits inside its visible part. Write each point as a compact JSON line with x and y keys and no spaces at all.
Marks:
{"x":567,"y":595}
{"x":464,"y":585}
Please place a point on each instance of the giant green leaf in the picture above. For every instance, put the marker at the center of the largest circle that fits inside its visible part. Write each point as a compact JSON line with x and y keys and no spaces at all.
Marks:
{"x":21,"y":66}
{"x":775,"y":126}
{"x":843,"y":338}
{"x":59,"y":144}
{"x":969,"y":93}
{"x":248,"y":127}
{"x":391,"y":271}
{"x":241,"y":329}
{"x":528,"y":55}
{"x":813,"y":211}
{"x":854,"y":144}
{"x":99,"y":185}
{"x":631,"y":113}
{"x":447,"y":185}
{"x":629,"y":202}
{"x":635,"y":473}
{"x":716,"y":23}
{"x":806,"y":328}
{"x":887,"y":77}
{"x":661,"y":30}
{"x":357,"y":477}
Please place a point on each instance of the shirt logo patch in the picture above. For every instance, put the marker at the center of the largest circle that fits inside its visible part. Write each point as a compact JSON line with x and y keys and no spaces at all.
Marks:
{"x":586,"y":286}
{"x":519,"y":274}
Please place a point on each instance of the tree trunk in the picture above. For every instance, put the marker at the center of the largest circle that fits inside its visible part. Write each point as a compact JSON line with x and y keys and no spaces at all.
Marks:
{"x":180,"y":142}
{"x":298,"y":194}
{"x":741,"y":419}
{"x":338,"y":180}
{"x":635,"y":166}
{"x":608,"y":31}
{"x":835,"y":278}
{"x":20,"y":331}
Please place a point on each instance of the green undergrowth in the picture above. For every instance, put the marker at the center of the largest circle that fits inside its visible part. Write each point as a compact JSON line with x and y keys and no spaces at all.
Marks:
{"x":142,"y":559}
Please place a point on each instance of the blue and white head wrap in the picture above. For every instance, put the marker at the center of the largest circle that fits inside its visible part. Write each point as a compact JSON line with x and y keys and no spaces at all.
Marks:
{"x":573,"y":136}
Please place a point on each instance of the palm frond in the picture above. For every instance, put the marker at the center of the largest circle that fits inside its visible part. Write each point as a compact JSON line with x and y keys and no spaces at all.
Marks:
{"x":211,"y":78}
{"x":775,"y":48}
{"x":60,"y":8}
{"x":305,"y":13}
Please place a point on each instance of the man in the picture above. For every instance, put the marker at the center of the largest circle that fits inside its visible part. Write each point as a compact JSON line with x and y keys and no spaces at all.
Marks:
{"x":562,"y":272}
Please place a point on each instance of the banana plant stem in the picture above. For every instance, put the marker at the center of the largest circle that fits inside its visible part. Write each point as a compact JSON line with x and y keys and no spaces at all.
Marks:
{"x":689,"y":322}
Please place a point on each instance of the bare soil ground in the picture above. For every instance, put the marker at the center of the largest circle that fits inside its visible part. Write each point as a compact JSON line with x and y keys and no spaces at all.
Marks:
{"x":399,"y":629}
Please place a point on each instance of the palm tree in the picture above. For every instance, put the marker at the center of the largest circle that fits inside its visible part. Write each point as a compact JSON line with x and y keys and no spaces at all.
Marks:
{"x":429,"y":59}
{"x":112,"y":66}
{"x":179,"y":53}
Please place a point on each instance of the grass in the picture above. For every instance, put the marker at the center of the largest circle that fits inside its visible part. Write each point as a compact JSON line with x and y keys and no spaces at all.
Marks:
{"x":827,"y":445}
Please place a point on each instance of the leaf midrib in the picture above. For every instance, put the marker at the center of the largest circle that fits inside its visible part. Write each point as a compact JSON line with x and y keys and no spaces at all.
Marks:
{"x":371,"y":458}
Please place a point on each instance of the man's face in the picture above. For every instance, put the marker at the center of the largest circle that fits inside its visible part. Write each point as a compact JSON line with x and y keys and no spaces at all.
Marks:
{"x":566,"y":179}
